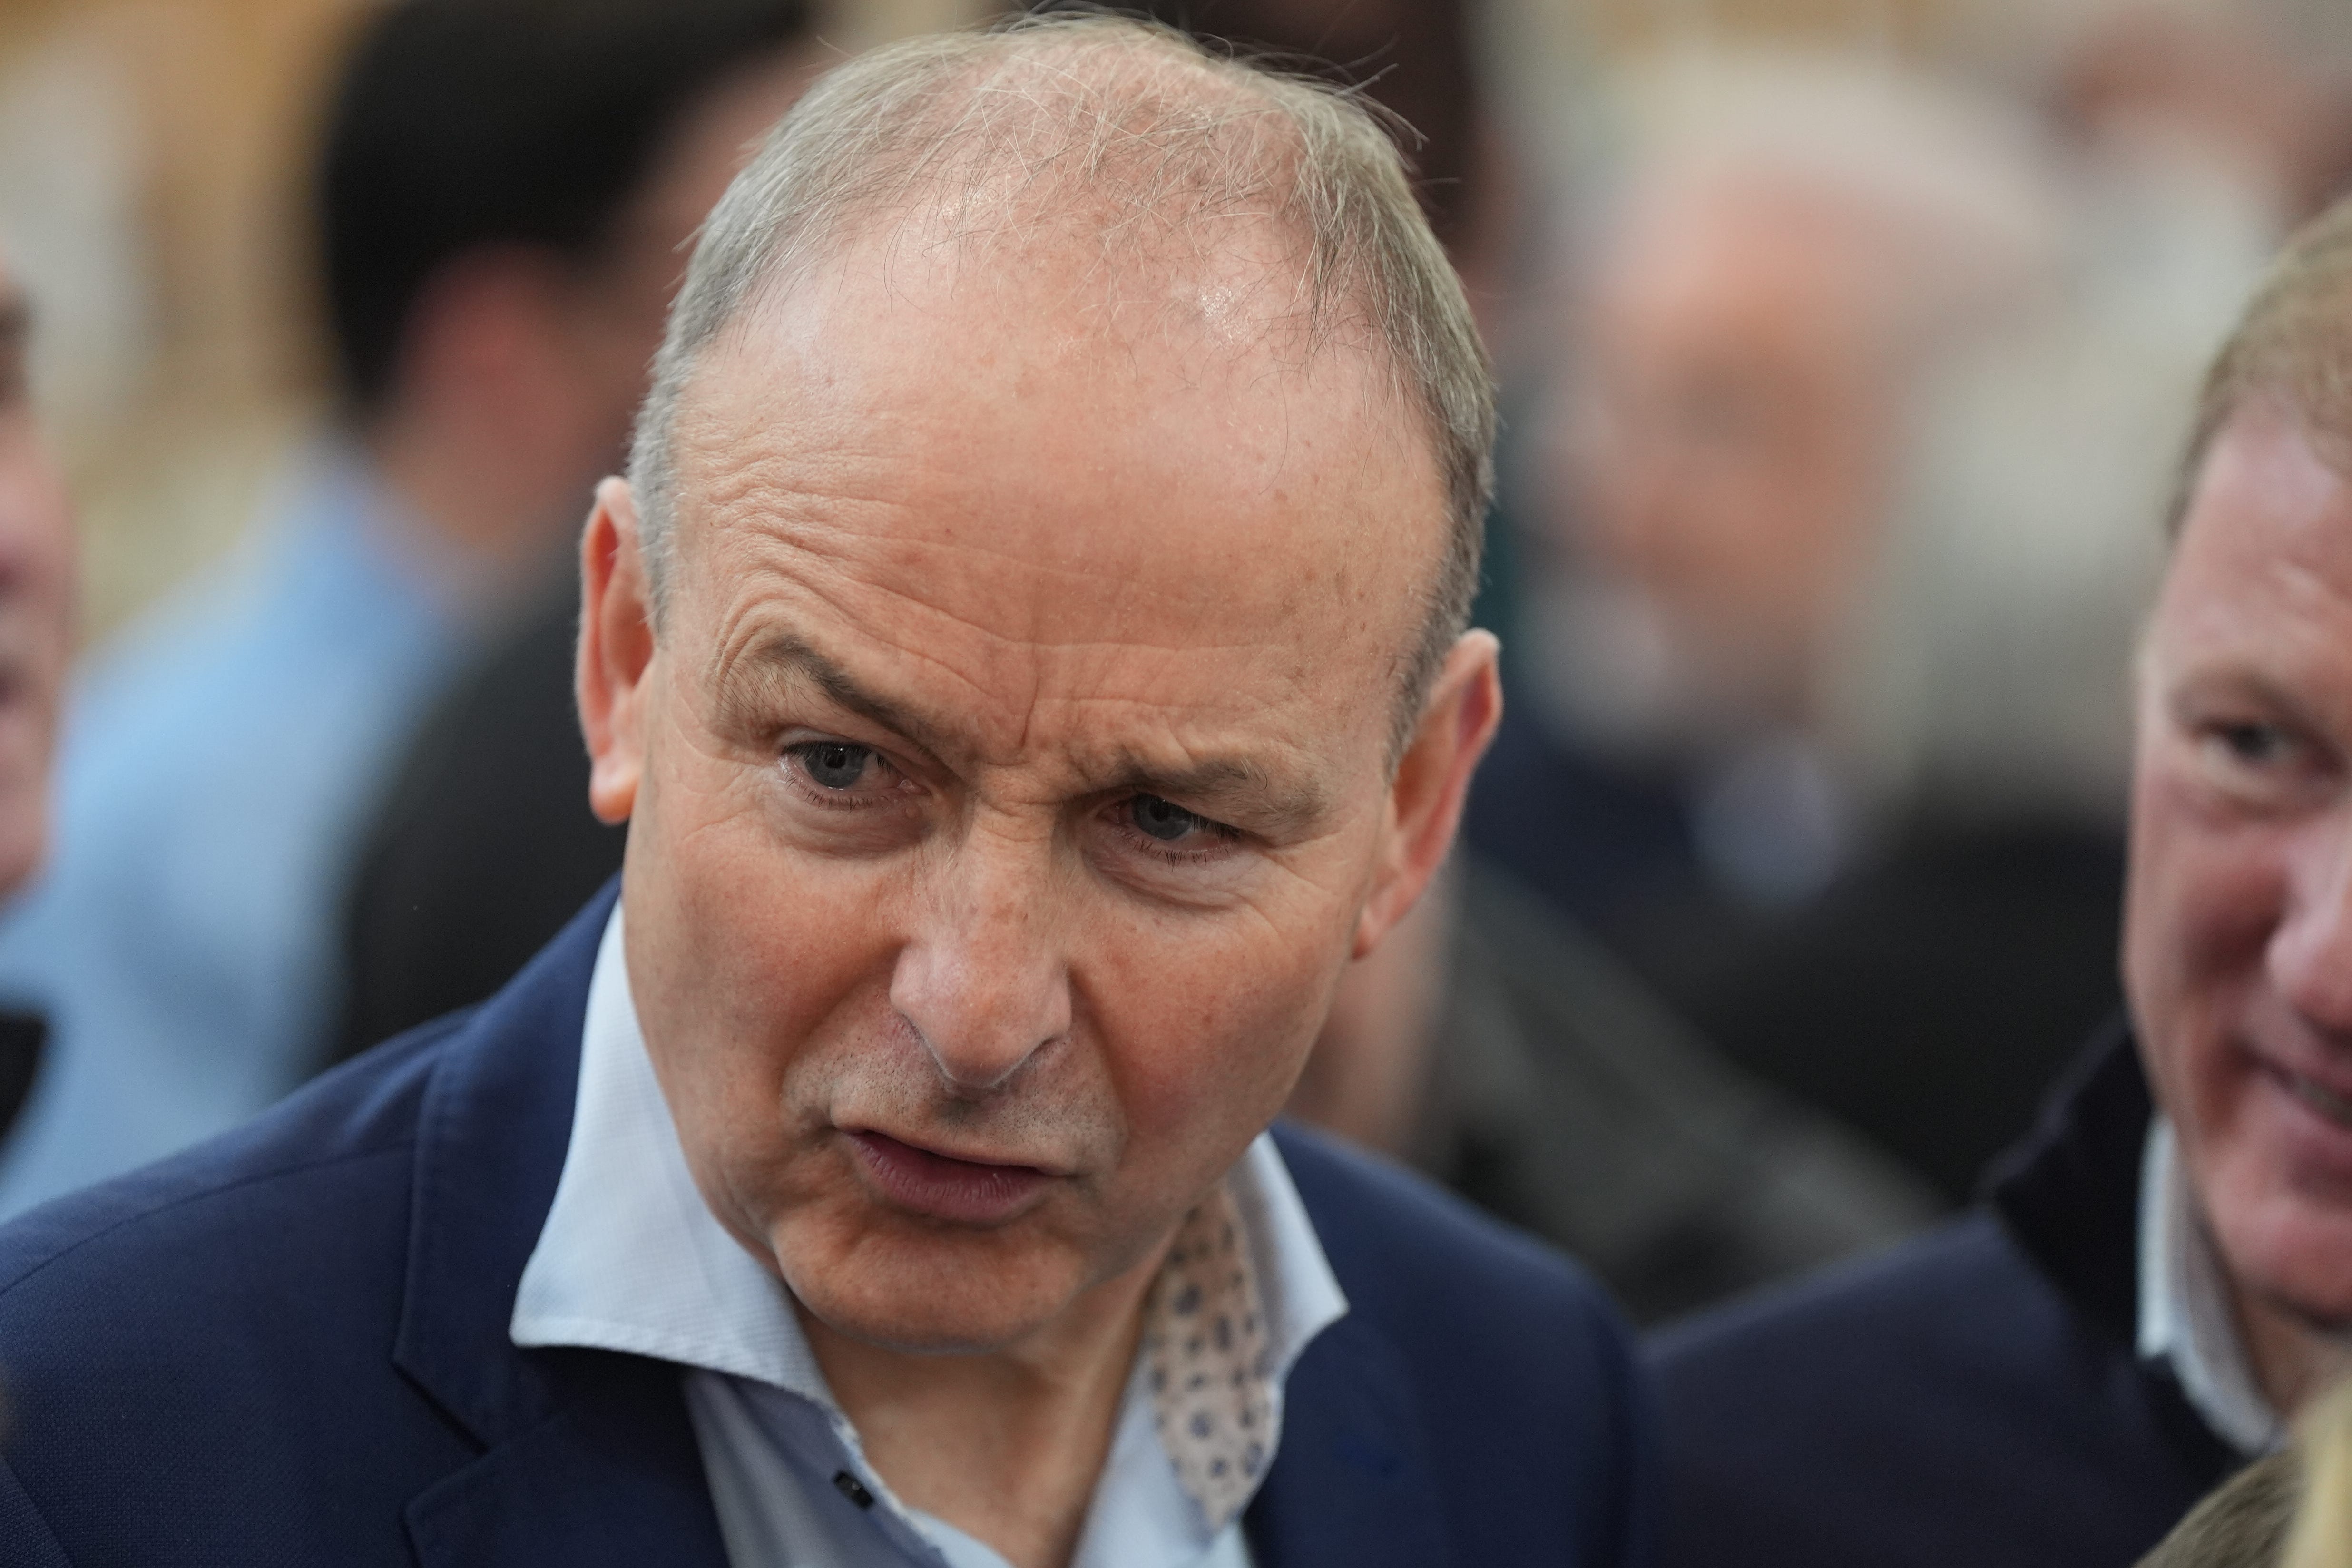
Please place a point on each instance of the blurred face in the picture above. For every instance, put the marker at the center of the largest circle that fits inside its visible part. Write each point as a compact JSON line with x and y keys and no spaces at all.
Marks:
{"x":2238,"y":943}
{"x":613,"y":324}
{"x":1009,"y":777}
{"x":35,"y":603}
{"x":1727,"y":453}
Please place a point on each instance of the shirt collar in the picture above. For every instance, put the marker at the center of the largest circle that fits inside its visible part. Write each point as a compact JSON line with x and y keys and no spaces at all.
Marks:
{"x":632,"y":1259}
{"x":2185,"y":1317}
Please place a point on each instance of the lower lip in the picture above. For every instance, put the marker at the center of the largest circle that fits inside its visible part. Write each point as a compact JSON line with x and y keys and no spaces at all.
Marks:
{"x":961,"y":1191}
{"x":2312,"y":1136}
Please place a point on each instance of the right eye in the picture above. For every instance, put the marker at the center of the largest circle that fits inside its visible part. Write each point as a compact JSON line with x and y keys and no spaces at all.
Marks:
{"x":836,"y":766}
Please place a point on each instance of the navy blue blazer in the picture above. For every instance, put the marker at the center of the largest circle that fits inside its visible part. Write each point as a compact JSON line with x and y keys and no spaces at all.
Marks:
{"x":289,"y":1346}
{"x":1970,"y":1400}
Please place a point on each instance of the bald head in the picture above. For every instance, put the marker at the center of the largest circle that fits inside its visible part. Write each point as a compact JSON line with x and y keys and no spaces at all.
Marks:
{"x":1178,"y":191}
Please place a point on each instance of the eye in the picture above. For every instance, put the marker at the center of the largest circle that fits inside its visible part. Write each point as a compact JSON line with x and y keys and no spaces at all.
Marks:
{"x":834,"y":764}
{"x":1164,"y":820}
{"x":2252,"y":744}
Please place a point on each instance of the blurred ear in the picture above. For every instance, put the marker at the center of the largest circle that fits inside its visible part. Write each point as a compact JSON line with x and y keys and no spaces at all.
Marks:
{"x":616,"y":651}
{"x":1432,"y":780}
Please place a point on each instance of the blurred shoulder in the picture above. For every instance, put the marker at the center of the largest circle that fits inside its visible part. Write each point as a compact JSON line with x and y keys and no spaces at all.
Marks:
{"x":290,"y":1202}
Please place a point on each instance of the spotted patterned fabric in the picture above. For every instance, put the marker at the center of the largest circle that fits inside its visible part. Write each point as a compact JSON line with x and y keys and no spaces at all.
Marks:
{"x":1212,"y":1378}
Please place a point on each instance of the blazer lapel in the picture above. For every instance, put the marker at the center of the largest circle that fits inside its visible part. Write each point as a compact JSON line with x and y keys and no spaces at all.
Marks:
{"x":614,"y":1480}
{"x":589,"y":1458}
{"x":1351,"y":1485}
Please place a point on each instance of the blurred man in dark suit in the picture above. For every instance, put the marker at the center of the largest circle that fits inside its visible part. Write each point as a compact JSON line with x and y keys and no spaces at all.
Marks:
{"x":1030,"y":655}
{"x":2164,"y":1273}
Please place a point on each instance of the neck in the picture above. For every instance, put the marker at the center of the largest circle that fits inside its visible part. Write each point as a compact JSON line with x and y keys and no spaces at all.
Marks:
{"x":1006,"y":1445}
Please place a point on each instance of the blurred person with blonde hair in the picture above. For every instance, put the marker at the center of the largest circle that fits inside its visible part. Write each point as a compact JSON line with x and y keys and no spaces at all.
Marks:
{"x":2161,"y":1281}
{"x":499,"y":199}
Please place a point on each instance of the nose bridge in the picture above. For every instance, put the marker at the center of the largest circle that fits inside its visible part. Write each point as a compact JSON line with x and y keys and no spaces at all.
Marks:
{"x":985,"y":977}
{"x":2311,"y":956}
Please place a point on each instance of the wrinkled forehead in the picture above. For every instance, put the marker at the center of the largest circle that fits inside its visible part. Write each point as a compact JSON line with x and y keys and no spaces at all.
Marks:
{"x":2263,"y":560}
{"x":1098,"y":359}
{"x":1058,"y":444}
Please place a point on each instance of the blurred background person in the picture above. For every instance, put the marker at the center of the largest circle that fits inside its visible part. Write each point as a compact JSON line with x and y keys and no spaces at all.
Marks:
{"x":2157,"y":1285}
{"x":1844,"y":499}
{"x":1494,"y":1047}
{"x":36,"y":584}
{"x":500,"y":200}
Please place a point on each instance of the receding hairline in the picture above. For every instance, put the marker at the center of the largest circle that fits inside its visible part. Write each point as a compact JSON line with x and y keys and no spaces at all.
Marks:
{"x":1141,"y":118}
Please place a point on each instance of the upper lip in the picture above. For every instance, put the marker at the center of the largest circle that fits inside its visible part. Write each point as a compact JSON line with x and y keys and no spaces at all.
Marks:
{"x":1042,"y":1167}
{"x":2332,"y":1076}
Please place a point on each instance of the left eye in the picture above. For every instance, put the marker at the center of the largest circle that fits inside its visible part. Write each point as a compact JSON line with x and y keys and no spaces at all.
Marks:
{"x":1164,"y":820}
{"x":834,"y":764}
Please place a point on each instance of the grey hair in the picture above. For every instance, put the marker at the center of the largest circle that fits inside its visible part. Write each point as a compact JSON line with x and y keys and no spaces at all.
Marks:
{"x":1145,"y":123}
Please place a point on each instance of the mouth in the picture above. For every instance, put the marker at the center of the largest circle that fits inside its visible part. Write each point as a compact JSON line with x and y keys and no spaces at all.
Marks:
{"x":2329,"y":1104}
{"x":946,"y":1186}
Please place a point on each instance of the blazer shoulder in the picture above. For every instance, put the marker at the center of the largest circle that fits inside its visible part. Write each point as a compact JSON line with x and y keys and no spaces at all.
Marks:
{"x":246,"y":1195}
{"x":1522,"y":1374}
{"x":1962,"y":1292}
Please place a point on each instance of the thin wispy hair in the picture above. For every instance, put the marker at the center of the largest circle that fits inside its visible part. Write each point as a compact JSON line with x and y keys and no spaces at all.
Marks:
{"x":1135,"y":135}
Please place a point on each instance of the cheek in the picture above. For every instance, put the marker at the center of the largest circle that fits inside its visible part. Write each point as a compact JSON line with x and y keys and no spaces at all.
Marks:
{"x":741,"y":956}
{"x":1207,"y":1028}
{"x":2205,"y":899}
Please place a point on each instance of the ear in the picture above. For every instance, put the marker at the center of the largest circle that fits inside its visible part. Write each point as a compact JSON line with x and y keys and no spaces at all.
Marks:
{"x":1432,"y":779}
{"x":612,"y":676}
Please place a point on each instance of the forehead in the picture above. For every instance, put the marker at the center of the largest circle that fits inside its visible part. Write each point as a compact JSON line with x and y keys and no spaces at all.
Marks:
{"x":1041,"y":468}
{"x":1724,"y":250}
{"x":2262,"y":571}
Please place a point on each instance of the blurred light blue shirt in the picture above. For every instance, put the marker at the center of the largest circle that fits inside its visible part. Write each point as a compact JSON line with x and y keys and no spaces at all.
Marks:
{"x":218,"y":763}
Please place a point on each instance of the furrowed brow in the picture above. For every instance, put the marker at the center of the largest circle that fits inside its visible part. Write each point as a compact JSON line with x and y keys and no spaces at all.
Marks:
{"x":786,"y":659}
{"x":1226,"y":786}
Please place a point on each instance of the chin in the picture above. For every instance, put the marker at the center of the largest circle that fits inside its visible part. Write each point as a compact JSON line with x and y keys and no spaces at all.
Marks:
{"x":931,"y":1292}
{"x":2291,"y":1250}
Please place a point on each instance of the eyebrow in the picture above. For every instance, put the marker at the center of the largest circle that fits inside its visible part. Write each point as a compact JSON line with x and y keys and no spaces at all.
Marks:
{"x":1272,"y":805}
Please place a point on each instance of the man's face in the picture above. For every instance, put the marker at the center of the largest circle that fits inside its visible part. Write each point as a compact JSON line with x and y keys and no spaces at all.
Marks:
{"x":1729,"y":446}
{"x":1009,"y":775}
{"x":2238,"y":940}
{"x":35,"y":602}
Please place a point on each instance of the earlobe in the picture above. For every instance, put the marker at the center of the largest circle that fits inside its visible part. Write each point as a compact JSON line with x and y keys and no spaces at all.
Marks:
{"x":1433,"y":781}
{"x":616,"y":650}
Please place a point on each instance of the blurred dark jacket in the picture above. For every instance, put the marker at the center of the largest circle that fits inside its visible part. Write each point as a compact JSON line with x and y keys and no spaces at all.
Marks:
{"x":1926,"y":998}
{"x":1971,"y":1400}
{"x":1569,"y":1104}
{"x":1929,"y":997}
{"x":1566,"y":1101}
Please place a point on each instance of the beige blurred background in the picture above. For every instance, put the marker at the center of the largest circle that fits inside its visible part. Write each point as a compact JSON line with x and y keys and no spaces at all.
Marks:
{"x":152,"y":154}
{"x":152,"y":159}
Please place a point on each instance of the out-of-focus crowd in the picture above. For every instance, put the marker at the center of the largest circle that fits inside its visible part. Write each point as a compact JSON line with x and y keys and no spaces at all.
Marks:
{"x":1846,"y":353}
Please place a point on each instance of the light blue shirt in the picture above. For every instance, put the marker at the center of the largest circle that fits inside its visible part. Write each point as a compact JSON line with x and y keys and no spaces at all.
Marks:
{"x":217,"y":764}
{"x":2185,"y":1317}
{"x":632,"y":1259}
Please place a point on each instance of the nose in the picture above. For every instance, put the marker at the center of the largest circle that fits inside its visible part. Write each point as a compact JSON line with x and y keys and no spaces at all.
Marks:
{"x":2310,"y":955}
{"x":983,"y":979}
